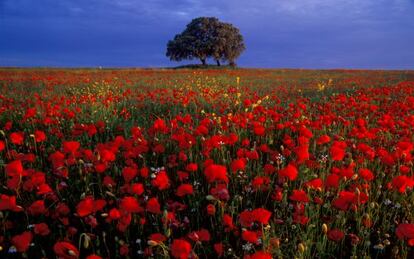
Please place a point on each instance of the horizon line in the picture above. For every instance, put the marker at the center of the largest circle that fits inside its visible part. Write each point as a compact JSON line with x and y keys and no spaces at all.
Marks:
{"x":197,"y":67}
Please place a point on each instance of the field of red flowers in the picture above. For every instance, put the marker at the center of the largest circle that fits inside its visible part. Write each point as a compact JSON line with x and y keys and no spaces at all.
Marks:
{"x":206,"y":164}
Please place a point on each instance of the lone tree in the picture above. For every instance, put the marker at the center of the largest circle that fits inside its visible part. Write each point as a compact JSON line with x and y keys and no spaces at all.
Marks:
{"x":207,"y":37}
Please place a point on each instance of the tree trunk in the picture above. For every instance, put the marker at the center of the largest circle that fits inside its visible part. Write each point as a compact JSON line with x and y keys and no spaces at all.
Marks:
{"x":203,"y":61}
{"x":218,"y":62}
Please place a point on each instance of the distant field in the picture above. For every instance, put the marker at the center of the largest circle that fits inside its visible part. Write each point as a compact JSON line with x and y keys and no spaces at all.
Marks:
{"x":187,"y":163}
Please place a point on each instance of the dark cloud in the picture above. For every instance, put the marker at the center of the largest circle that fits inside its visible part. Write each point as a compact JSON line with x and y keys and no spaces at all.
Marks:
{"x":278,"y":33}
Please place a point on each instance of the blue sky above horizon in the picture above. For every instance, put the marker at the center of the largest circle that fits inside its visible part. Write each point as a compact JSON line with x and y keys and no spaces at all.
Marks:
{"x":278,"y":33}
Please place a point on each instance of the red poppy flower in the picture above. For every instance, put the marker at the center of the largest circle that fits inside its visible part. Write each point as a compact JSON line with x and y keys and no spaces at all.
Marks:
{"x":246,"y":218}
{"x":250,"y":236}
{"x":403,"y":168}
{"x":314,"y":184}
{"x":137,"y":188}
{"x":85,"y":207}
{"x":269,"y":169}
{"x":57,"y":159}
{"x":30,"y":113}
{"x":323,"y":140}
{"x":22,"y":241}
{"x":402,"y":182}
{"x":218,"y":247}
{"x":124,"y":250}
{"x":252,"y":155}
{"x":406,"y":231}
{"x":71,"y":146}
{"x":160,"y":126}
{"x":108,"y":181}
{"x":347,"y":172}
{"x":337,"y":150}
{"x":37,"y":208}
{"x":62,"y":209}
{"x":180,"y":249}
{"x":14,"y":169}
{"x":259,"y":130}
{"x":92,"y":130}
{"x":200,"y":236}
{"x":228,"y":221}
{"x":153,"y":206}
{"x":261,"y":255}
{"x":114,"y":214}
{"x":277,"y":195}
{"x":65,"y":250}
{"x":161,"y":181}
{"x":17,"y":138}
{"x":129,"y":173}
{"x":366,"y":174}
{"x":332,"y":181}
{"x":184,"y":189}
{"x":107,"y":155}
{"x":238,"y":165}
{"x":130,"y":204}
{"x":261,"y":215}
{"x":335,"y":235}
{"x":100,"y":167}
{"x":220,"y":192}
{"x":144,"y":172}
{"x":302,"y":153}
{"x":260,"y":183}
{"x":9,"y":203}
{"x":346,"y":199}
{"x":38,"y":178}
{"x":203,"y":235}
{"x":43,"y":189}
{"x":41,"y":229}
{"x":88,"y":206}
{"x":211,"y":209}
{"x":159,"y":148}
{"x":385,"y":157}
{"x":192,"y":167}
{"x":299,"y":196}
{"x":216,"y":173}
{"x":289,"y":171}
{"x":201,"y":130}
{"x":40,"y":136}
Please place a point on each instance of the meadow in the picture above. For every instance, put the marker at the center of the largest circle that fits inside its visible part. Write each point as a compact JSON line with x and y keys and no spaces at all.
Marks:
{"x":205,"y":163}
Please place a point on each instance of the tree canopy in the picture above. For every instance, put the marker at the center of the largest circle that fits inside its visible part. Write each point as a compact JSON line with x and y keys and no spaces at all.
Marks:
{"x":207,"y":37}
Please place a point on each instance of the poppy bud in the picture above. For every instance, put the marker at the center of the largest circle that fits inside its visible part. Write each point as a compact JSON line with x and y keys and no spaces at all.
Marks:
{"x":301,"y":248}
{"x":86,"y":241}
{"x":366,"y":220}
{"x":324,"y":228}
{"x":211,"y":210}
{"x":210,"y":197}
{"x":152,"y":243}
{"x":275,"y":242}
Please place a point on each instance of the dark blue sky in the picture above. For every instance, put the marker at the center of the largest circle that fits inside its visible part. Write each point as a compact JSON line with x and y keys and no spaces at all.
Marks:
{"x":278,"y":33}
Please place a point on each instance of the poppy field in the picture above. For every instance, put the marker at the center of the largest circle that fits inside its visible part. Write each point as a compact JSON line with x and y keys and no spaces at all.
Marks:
{"x":242,"y":163}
